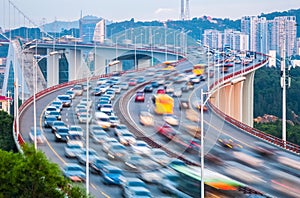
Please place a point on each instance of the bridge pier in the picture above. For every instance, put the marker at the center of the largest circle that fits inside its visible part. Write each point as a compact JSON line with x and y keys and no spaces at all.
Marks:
{"x":248,"y":99}
{"x":52,"y":69}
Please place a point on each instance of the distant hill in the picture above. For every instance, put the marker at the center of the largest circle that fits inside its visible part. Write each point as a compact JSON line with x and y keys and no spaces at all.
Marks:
{"x":59,"y":26}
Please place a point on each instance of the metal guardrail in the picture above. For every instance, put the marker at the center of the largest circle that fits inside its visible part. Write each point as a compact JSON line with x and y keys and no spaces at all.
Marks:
{"x":250,"y":130}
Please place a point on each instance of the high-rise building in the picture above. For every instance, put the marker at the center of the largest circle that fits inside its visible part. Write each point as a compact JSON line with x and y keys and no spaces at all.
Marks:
{"x":100,"y":32}
{"x":87,"y":26}
{"x":265,"y":35}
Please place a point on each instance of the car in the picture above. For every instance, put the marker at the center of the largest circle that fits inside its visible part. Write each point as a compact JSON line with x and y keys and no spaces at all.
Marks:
{"x":132,"y":82}
{"x":120,"y":129}
{"x":99,"y":136}
{"x":102,"y":120}
{"x":54,"y":113}
{"x":81,"y":157}
{"x":78,"y":90}
{"x":86,"y":101}
{"x":159,"y":156}
{"x":106,"y":108}
{"x":154,"y":84}
{"x":195,"y":80}
{"x":48,"y":121}
{"x":171,"y":119}
{"x":72,"y":149}
{"x":80,"y":108}
{"x":140,"y":79}
{"x":187,"y":87}
{"x":103,"y":88}
{"x":169,"y":89}
{"x":86,"y":86}
{"x":57,"y":104}
{"x":75,"y":137}
{"x":177,"y":93}
{"x":124,"y":85}
{"x":110,"y":93}
{"x":101,"y":81}
{"x":198,"y":106}
{"x":76,"y":128}
{"x":70,"y":93}
{"x":61,"y":134}
{"x":49,"y":109}
{"x":126,"y":138}
{"x":116,"y":151}
{"x":74,"y":172}
{"x":166,"y":130}
{"x":129,"y":182}
{"x":140,"y":147}
{"x":184,"y":104}
{"x":111,"y":175}
{"x":36,"y":133}
{"x":229,"y":143}
{"x":114,"y":121}
{"x":160,"y":91}
{"x":107,"y":142}
{"x":96,"y":91}
{"x":84,"y":118}
{"x":148,"y":89}
{"x":101,"y":103}
{"x":65,"y":99}
{"x":139,"y":96}
{"x":98,"y":164}
{"x":56,"y":124}
{"x":82,"y":111}
{"x":116,"y":88}
{"x":140,"y":164}
{"x":146,"y":118}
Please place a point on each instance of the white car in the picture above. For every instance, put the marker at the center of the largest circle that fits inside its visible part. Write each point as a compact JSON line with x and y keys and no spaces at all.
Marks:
{"x":171,"y":119}
{"x":121,"y":128}
{"x":89,"y":102}
{"x":114,"y":120}
{"x":76,"y":128}
{"x":106,"y":108}
{"x":72,"y":149}
{"x":51,"y":108}
{"x":124,"y":85}
{"x":84,"y":118}
{"x":127,"y":138}
{"x":117,"y":89}
{"x":146,"y":118}
{"x":140,"y":147}
{"x":101,"y":81}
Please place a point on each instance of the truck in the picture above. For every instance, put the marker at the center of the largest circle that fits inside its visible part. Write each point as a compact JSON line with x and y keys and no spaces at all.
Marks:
{"x":164,"y":104}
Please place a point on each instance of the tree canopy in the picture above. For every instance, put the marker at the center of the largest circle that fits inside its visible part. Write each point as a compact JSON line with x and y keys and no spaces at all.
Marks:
{"x":31,"y":174}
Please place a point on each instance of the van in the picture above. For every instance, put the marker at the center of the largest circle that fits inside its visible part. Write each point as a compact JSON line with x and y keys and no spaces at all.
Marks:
{"x":102,"y":119}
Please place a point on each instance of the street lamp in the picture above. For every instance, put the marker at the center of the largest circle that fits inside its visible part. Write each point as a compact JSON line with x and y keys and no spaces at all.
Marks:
{"x":36,"y":59}
{"x":135,"y":59}
{"x":152,"y":36}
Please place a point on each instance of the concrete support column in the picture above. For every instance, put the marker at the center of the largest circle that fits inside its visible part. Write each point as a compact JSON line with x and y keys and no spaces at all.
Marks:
{"x":143,"y":63}
{"x":100,"y":64}
{"x":74,"y":59}
{"x":52,"y":69}
{"x":236,"y":102}
{"x":248,"y":94}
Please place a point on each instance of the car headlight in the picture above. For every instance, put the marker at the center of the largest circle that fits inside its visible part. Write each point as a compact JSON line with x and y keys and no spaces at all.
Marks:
{"x":57,"y":135}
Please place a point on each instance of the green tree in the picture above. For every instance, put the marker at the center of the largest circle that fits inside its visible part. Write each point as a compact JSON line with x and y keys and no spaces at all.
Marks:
{"x":31,"y":175}
{"x":6,"y":132}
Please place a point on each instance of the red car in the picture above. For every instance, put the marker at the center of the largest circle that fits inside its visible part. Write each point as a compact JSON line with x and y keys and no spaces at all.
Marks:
{"x":132,"y":82}
{"x":166,"y":130}
{"x":160,"y":91}
{"x":139,"y":96}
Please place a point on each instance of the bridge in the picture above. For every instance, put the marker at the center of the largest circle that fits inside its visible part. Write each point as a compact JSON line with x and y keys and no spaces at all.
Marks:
{"x":234,"y":78}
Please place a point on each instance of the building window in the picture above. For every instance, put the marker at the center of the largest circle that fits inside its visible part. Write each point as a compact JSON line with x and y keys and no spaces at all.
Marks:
{"x":0,"y":105}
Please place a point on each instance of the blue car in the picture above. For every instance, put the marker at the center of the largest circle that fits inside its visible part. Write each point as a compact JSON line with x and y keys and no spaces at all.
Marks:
{"x":112,"y":175}
{"x":154,"y":84}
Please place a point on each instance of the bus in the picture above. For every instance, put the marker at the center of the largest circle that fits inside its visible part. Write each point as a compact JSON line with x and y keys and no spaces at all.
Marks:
{"x":189,"y":182}
{"x":198,"y":69}
{"x":164,"y":104}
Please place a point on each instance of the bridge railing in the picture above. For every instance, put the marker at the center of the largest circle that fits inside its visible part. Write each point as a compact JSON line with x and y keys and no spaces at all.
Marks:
{"x":250,"y":130}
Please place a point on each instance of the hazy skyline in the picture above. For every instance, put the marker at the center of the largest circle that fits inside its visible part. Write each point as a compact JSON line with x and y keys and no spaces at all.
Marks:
{"x":140,"y":10}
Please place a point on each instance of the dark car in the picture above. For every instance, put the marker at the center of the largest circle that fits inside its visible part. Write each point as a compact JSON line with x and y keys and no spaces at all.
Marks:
{"x":148,"y":89}
{"x":56,"y":124}
{"x":49,"y":121}
{"x":61,"y":134}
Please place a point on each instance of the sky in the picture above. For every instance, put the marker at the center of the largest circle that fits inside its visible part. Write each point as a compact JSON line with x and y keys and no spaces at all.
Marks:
{"x":46,"y":11}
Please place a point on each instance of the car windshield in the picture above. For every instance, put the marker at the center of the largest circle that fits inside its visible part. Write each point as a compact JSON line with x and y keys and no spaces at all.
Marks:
{"x":121,"y":127}
{"x":114,"y":171}
{"x":73,"y":146}
{"x":75,"y":137}
{"x":59,"y":124}
{"x":74,"y":168}
{"x":64,"y":97}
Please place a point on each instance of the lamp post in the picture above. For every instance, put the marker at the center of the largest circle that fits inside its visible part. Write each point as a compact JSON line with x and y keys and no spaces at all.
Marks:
{"x":135,"y":58}
{"x":152,"y":36}
{"x":37,"y":58}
